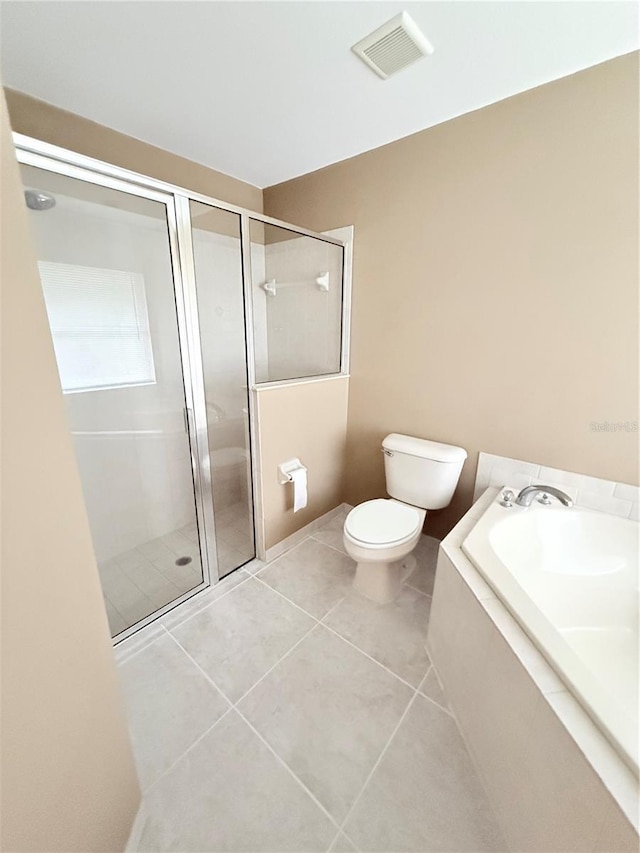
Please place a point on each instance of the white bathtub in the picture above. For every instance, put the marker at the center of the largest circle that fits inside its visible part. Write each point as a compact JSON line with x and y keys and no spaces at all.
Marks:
{"x":570,"y":577}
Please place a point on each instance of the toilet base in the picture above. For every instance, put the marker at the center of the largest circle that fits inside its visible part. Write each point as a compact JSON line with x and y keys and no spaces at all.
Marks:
{"x":382,"y":581}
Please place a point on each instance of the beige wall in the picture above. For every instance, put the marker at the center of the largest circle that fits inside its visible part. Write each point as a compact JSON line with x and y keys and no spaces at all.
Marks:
{"x":495,"y":300}
{"x":59,"y":127}
{"x":68,"y":779}
{"x":308,"y":421}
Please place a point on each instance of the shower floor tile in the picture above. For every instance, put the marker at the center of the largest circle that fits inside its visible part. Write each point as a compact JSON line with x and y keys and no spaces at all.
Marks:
{"x":332,"y":740}
{"x":146,"y":578}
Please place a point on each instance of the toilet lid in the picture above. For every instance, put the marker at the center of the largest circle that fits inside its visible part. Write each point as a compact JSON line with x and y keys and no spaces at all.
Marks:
{"x":382,"y":522}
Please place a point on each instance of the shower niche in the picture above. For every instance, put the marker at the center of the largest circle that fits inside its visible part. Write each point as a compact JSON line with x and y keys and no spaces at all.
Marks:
{"x":162,"y":326}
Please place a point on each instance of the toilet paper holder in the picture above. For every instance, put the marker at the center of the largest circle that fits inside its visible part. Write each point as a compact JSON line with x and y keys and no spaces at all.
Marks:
{"x":285,"y":470}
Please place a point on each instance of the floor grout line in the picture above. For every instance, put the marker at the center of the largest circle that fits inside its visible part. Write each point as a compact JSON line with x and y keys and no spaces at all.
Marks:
{"x":377,"y":764}
{"x":424,"y":677}
{"x":349,"y":839}
{"x":234,"y":706}
{"x":287,"y":653}
{"x":367,"y":655}
{"x":125,"y":658}
{"x":428,"y":698}
{"x":277,"y":663}
{"x":249,"y":576}
{"x":160,"y":564}
{"x":333,"y":513}
{"x":187,"y":751}
{"x":437,"y":705}
{"x":287,"y":550}
{"x":421,"y":591}
{"x":333,"y":840}
{"x":287,"y":768}
{"x":331,"y":609}
{"x":333,"y":631}
{"x":333,"y":547}
{"x":195,"y":663}
{"x":211,"y":603}
{"x":284,"y":764}
{"x":282,"y":595}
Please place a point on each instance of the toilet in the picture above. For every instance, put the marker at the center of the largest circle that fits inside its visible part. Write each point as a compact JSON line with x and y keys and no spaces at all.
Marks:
{"x":381,"y":534}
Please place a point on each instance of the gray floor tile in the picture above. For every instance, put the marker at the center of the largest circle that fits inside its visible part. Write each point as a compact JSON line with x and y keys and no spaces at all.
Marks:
{"x":154,"y":584}
{"x":184,"y":577}
{"x":342,"y":845}
{"x":312,"y":575}
{"x":204,"y":599}
{"x":179,"y":544}
{"x":136,"y":642}
{"x":426,"y":554}
{"x":432,"y":688}
{"x":169,"y":703}
{"x":331,"y":533}
{"x":240,"y":636}
{"x":146,"y":578}
{"x":328,"y":711}
{"x":117,"y":622}
{"x":229,"y":793}
{"x":394,"y":634}
{"x":238,"y":539}
{"x":155,"y":550}
{"x":131,"y":603}
{"x":229,"y":558}
{"x":254,"y":566}
{"x":131,"y":558}
{"x":425,"y":796}
{"x":191,"y":531}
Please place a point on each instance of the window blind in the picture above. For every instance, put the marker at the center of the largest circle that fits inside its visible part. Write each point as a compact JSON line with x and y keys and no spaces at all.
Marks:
{"x":99,"y":324}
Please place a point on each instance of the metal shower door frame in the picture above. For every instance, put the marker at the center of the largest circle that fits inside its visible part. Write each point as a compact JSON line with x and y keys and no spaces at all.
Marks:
{"x":190,"y":357}
{"x":41,"y":154}
{"x":185,"y":244}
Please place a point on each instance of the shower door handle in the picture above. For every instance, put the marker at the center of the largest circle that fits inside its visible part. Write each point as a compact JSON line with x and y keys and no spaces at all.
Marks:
{"x":185,"y":416}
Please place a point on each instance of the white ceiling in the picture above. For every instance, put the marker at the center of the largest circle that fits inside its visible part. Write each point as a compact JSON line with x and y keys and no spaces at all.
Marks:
{"x":265,"y":91}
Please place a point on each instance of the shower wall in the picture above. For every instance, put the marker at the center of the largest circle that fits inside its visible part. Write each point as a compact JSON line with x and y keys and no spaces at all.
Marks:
{"x":260,"y":334}
{"x":221,"y":316}
{"x":303,"y":322}
{"x":130,"y":442}
{"x":220,"y":307}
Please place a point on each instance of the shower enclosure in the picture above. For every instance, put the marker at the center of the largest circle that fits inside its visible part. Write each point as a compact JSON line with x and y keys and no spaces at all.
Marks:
{"x":162,"y":322}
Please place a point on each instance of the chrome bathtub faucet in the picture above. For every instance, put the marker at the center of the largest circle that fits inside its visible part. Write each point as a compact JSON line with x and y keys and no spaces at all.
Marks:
{"x":526,"y":496}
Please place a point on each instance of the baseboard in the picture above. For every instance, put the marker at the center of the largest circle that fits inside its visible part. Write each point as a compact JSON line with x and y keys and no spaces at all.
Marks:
{"x":296,"y":538}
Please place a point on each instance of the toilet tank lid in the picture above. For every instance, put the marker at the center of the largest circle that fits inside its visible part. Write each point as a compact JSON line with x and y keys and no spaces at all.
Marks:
{"x":423,"y":448}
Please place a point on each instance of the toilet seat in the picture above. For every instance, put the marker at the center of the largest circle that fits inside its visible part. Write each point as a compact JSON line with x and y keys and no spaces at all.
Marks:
{"x":382,"y":522}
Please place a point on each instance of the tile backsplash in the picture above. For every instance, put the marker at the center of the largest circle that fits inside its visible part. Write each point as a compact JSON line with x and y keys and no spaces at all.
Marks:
{"x":590,"y":492}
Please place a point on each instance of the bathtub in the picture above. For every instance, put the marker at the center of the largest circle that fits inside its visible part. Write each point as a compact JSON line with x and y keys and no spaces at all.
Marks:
{"x":570,"y":578}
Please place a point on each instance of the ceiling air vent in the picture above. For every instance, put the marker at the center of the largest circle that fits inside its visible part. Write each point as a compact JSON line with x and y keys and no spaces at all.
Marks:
{"x":393,"y":46}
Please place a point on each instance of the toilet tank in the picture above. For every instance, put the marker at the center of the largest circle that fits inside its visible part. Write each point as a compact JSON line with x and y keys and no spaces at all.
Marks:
{"x":420,"y":472}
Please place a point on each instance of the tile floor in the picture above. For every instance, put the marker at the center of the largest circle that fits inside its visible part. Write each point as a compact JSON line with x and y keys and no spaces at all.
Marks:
{"x":146,"y":578}
{"x":280,"y":712}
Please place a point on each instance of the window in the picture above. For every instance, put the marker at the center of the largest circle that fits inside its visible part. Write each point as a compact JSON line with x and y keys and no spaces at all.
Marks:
{"x":99,"y":325}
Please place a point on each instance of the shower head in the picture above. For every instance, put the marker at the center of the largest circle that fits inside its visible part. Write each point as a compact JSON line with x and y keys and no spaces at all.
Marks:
{"x":38,"y":200}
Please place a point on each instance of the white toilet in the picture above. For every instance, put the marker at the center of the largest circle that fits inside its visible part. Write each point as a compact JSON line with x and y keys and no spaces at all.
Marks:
{"x":381,"y":534}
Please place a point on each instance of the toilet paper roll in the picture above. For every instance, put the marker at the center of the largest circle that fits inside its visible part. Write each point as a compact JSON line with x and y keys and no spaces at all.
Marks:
{"x":299,"y":477}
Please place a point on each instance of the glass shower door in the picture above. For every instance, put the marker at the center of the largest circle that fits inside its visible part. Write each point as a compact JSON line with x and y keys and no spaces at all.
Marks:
{"x":217,"y":258}
{"x":106,"y":269}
